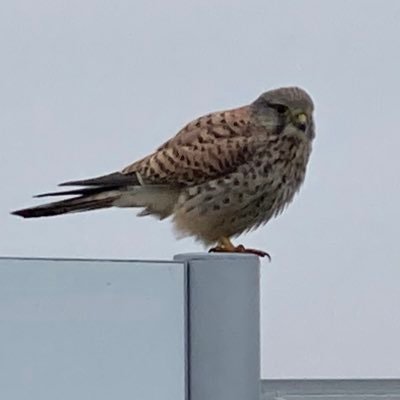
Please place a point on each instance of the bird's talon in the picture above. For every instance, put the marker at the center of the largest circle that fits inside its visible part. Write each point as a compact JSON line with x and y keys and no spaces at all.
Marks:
{"x":217,"y":249}
{"x":239,"y":249}
{"x":258,"y":253}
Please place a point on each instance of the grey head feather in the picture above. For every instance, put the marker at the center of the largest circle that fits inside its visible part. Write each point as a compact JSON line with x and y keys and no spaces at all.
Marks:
{"x":292,"y":97}
{"x":276,"y":110}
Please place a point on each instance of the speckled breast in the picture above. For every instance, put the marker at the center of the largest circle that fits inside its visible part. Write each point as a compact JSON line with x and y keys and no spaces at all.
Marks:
{"x":241,"y":200}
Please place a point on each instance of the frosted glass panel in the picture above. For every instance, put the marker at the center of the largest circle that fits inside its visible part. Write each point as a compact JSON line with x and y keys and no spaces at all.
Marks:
{"x":88,"y":329}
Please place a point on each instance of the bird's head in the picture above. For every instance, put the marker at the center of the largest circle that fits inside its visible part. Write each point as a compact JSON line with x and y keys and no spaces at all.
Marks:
{"x":286,"y":111}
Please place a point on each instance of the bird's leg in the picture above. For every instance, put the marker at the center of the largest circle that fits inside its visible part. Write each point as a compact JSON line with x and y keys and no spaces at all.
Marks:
{"x":226,"y":246}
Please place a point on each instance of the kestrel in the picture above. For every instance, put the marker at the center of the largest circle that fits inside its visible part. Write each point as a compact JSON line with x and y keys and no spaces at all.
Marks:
{"x":221,"y":175}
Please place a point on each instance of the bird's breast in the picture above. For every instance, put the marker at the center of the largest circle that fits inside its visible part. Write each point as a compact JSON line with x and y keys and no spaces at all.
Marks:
{"x":244,"y":199}
{"x":278,"y":173}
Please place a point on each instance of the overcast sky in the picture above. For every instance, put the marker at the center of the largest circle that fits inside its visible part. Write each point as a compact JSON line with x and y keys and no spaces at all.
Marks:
{"x":89,"y":86}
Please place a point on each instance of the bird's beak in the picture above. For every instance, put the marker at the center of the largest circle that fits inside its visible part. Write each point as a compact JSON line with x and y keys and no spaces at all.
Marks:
{"x":301,"y":118}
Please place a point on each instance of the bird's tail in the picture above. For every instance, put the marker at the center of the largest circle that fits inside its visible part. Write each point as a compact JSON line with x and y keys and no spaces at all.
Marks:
{"x":101,"y":192}
{"x":84,"y":202}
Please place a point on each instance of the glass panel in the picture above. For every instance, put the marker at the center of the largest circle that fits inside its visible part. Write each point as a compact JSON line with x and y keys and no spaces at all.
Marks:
{"x":91,"y":330}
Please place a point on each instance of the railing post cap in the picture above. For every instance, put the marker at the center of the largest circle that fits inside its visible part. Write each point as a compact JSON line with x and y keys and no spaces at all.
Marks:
{"x":234,"y":257}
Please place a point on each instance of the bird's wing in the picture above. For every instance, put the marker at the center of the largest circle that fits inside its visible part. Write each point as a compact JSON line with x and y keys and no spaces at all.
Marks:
{"x":207,"y":148}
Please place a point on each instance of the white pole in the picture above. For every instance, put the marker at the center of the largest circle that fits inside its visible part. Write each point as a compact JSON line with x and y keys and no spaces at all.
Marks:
{"x":223,"y":326}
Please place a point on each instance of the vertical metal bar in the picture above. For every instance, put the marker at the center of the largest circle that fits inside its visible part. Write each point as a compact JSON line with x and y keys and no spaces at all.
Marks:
{"x":223,"y":327}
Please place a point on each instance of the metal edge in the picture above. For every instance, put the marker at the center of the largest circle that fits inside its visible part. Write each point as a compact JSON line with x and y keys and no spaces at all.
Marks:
{"x":331,"y":386}
{"x":187,"y":348}
{"x":126,"y":260}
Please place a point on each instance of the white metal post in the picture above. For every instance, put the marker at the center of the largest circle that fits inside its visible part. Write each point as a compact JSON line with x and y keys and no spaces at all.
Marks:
{"x":223,"y":326}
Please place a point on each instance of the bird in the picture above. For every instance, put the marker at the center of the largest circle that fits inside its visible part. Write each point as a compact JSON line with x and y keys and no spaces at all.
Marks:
{"x":221,"y":175}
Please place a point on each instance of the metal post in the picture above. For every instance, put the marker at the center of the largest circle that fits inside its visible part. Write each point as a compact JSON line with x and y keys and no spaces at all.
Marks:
{"x":223,"y":326}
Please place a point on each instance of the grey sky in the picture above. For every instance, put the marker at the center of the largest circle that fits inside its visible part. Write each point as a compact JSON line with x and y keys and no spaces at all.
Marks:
{"x":89,"y":86}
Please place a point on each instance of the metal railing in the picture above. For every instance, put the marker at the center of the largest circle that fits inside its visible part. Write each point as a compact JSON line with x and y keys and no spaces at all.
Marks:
{"x":112,"y":329}
{"x":331,"y":389}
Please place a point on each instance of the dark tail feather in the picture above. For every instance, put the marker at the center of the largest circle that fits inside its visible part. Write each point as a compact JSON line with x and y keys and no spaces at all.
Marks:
{"x":100,"y":192}
{"x":75,"y":192}
{"x":76,"y":204}
{"x":116,"y":179}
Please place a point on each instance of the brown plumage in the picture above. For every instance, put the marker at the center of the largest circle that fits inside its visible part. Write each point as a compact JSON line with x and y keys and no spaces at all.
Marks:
{"x":222,"y":174}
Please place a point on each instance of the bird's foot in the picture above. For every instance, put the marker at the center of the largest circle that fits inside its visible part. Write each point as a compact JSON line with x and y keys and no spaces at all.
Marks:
{"x":226,"y":246}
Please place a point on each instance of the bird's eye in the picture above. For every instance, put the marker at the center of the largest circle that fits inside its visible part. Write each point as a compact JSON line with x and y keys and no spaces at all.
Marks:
{"x":280,"y":108}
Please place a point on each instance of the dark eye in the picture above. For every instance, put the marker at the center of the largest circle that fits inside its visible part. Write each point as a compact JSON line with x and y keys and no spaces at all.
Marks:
{"x":280,"y":108}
